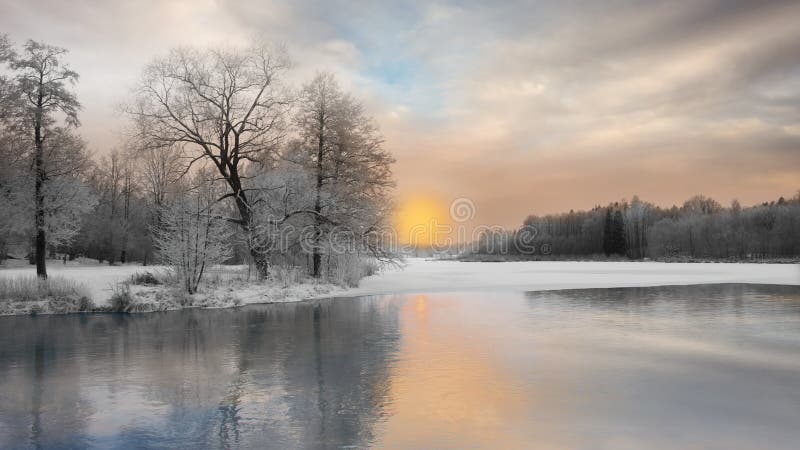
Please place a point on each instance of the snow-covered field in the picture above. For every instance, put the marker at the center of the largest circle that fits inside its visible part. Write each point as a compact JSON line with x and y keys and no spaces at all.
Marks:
{"x":421,"y":275}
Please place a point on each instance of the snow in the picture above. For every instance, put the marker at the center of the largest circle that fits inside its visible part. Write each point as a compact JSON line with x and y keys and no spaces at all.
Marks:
{"x":423,"y":276}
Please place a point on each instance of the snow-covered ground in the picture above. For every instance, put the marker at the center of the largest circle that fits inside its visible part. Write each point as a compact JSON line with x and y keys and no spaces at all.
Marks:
{"x":422,"y":275}
{"x":99,"y":279}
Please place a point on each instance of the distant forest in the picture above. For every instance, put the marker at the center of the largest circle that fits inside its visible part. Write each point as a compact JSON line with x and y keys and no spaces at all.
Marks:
{"x":699,"y":229}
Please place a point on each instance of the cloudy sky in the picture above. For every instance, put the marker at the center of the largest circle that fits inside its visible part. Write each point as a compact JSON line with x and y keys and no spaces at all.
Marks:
{"x":523,"y":107}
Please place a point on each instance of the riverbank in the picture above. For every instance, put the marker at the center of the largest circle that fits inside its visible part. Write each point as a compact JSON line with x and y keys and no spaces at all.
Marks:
{"x":133,"y":289}
{"x":108,"y":287}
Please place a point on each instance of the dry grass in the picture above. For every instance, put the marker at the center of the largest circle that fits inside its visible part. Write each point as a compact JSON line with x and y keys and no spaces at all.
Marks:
{"x":28,"y":294}
{"x":30,"y":288}
{"x":348,"y":269}
{"x":288,"y":276}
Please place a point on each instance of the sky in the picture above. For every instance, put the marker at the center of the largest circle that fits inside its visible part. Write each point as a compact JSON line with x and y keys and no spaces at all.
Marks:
{"x":520,"y":107}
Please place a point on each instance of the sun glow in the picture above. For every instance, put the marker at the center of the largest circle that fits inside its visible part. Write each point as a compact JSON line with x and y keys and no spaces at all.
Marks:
{"x":422,"y":220}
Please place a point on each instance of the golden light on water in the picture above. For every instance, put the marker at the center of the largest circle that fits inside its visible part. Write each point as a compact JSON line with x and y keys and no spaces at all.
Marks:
{"x":467,"y":388}
{"x":422,"y":220}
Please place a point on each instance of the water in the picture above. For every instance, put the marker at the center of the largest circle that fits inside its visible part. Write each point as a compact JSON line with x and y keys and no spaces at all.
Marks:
{"x":676,"y":367}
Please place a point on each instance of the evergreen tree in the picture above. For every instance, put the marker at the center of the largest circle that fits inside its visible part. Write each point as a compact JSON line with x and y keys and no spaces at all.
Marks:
{"x":618,"y":242}
{"x":608,"y":248}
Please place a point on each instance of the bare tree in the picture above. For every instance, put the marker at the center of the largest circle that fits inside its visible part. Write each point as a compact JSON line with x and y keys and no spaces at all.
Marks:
{"x":224,"y":106}
{"x":42,"y":80}
{"x":159,"y":169}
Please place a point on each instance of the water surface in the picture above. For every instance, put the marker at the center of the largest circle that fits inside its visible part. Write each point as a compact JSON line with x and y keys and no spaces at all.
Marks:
{"x":670,"y":367}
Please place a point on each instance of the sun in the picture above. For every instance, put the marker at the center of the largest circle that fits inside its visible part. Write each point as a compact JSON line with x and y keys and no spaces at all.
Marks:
{"x":422,"y":220}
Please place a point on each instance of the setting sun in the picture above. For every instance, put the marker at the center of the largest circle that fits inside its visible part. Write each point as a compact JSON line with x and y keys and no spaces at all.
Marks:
{"x":422,"y":220}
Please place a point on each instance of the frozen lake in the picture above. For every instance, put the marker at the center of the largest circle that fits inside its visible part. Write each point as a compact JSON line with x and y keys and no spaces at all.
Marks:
{"x":713,"y":366}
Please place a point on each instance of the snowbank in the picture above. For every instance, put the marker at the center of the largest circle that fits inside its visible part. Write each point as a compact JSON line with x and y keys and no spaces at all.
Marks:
{"x":163,"y":298}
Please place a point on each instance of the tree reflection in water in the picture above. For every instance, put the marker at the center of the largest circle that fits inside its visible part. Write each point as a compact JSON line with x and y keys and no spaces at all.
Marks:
{"x":293,"y":376}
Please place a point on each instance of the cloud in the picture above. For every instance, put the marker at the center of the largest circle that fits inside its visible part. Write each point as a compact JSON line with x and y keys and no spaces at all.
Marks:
{"x":524,"y":106}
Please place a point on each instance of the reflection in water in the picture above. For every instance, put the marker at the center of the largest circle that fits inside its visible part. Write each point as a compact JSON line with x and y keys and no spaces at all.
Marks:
{"x":671,"y":367}
{"x":293,"y":376}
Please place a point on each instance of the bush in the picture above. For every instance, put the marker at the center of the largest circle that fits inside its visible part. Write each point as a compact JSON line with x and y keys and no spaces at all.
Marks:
{"x":145,"y":279}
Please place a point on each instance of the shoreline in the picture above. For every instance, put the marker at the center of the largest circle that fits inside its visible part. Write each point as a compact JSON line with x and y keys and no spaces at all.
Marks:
{"x":420,"y":275}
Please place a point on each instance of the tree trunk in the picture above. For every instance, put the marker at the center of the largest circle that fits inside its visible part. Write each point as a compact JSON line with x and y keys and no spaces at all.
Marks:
{"x":260,"y":256}
{"x":317,"y":259}
{"x":41,"y":241}
{"x":126,"y":205}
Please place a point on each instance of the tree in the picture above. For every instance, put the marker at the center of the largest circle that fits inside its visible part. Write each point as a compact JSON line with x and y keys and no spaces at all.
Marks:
{"x":224,"y":106}
{"x":42,"y":80}
{"x":159,"y":169}
{"x":342,"y":149}
{"x":637,"y":222}
{"x":618,"y":242}
{"x":65,"y":196}
{"x":158,"y":172}
{"x":10,"y":138}
{"x":608,"y":246}
{"x":320,"y":103}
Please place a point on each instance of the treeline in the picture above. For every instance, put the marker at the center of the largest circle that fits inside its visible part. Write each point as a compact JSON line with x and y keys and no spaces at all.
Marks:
{"x":222,"y":161}
{"x":701,"y":228}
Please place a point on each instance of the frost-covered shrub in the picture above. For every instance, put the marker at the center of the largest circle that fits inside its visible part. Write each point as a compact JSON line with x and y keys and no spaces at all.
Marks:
{"x":192,"y":236}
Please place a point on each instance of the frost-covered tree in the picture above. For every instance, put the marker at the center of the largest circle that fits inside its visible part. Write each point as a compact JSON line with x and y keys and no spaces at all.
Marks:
{"x":192,"y":235}
{"x":10,"y":139}
{"x":342,"y":149}
{"x":637,"y":221}
{"x":278,"y":192}
{"x":66,"y":198}
{"x":42,"y":80}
